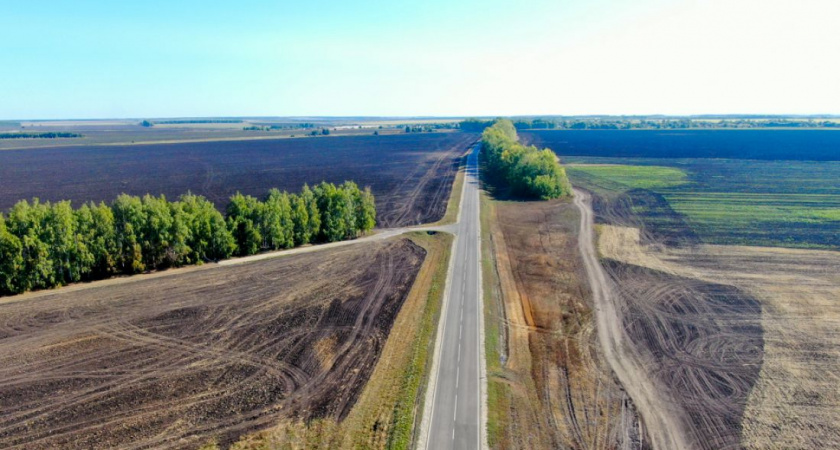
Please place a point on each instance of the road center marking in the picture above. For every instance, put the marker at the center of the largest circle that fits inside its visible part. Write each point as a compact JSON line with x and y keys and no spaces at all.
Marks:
{"x":455,"y":414}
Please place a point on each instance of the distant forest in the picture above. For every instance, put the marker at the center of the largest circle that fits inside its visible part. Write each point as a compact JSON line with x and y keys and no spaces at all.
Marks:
{"x":46,"y":135}
{"x":653,"y":123}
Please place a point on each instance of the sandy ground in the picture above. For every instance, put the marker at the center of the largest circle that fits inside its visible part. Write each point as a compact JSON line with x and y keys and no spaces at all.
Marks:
{"x":560,"y":390}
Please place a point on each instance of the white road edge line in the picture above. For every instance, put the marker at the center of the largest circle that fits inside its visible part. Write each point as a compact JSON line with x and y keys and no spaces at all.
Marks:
{"x":482,"y":363}
{"x":431,"y":390}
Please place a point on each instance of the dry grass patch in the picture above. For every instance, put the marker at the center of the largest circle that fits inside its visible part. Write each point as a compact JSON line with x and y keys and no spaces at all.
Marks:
{"x":548,"y":386}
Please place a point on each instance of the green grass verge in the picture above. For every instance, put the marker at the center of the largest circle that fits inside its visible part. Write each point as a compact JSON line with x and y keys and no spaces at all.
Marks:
{"x":411,"y":395}
{"x":498,"y":392}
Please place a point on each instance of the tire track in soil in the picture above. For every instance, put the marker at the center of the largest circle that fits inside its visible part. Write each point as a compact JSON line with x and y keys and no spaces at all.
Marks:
{"x":219,"y":352}
{"x":663,"y":425}
{"x":422,"y":201}
{"x":699,"y":343}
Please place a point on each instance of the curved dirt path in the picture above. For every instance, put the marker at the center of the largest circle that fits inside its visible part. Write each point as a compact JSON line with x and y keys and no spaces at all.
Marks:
{"x":664,"y":427}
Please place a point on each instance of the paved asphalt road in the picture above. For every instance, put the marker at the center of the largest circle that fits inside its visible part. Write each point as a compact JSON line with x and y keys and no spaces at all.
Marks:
{"x":456,"y":419}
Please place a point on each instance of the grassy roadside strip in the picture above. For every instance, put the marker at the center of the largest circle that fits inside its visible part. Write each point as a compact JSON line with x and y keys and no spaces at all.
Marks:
{"x":428,"y":290}
{"x":498,"y":392}
{"x":454,"y":204}
{"x":388,"y":409}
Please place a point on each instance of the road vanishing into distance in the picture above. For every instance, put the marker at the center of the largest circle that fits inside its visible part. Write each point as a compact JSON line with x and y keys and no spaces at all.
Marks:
{"x":454,"y":416}
{"x":454,"y":410}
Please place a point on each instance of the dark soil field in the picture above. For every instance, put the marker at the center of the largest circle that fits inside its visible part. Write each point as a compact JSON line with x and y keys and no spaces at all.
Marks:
{"x":410,"y":175}
{"x":701,"y":342}
{"x":813,"y":145}
{"x":692,"y":226}
{"x":736,"y":338}
{"x":174,"y":360}
{"x":704,"y":342}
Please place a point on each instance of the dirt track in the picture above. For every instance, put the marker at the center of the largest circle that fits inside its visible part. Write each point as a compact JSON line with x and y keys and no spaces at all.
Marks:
{"x":663,"y":422}
{"x":168,"y":362}
{"x":698,"y":340}
{"x":560,"y":392}
{"x":776,"y":389}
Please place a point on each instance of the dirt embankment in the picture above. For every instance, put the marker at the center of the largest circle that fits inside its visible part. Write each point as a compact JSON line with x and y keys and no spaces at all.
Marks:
{"x":173,"y":361}
{"x":555,"y":387}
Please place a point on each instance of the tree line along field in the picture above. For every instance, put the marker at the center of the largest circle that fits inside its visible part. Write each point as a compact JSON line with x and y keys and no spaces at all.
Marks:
{"x":525,"y":171}
{"x":410,"y":175}
{"x":44,"y":245}
{"x":175,"y":359}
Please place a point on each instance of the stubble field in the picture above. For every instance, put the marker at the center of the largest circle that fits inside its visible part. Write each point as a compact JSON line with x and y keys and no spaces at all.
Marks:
{"x":743,"y":338}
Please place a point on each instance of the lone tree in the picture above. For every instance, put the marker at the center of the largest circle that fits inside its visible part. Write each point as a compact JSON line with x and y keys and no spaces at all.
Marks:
{"x":146,"y":124}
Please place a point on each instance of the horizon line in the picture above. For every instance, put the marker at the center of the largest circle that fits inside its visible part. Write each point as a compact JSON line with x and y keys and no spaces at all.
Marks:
{"x":451,"y":117}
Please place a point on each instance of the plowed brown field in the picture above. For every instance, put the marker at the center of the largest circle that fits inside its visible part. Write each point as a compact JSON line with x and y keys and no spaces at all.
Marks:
{"x":220,"y":351}
{"x":747,"y":336}
{"x":410,"y":174}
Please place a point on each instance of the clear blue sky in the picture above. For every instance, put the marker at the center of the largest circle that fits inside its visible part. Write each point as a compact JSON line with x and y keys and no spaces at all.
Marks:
{"x":103,"y":59}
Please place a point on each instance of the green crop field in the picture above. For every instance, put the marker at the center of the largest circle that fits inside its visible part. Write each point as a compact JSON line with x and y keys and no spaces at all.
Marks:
{"x":636,"y":177}
{"x":774,"y":203}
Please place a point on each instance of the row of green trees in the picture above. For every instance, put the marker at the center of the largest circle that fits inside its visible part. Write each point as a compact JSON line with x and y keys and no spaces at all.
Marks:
{"x":526,"y":170}
{"x":44,"y":245}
